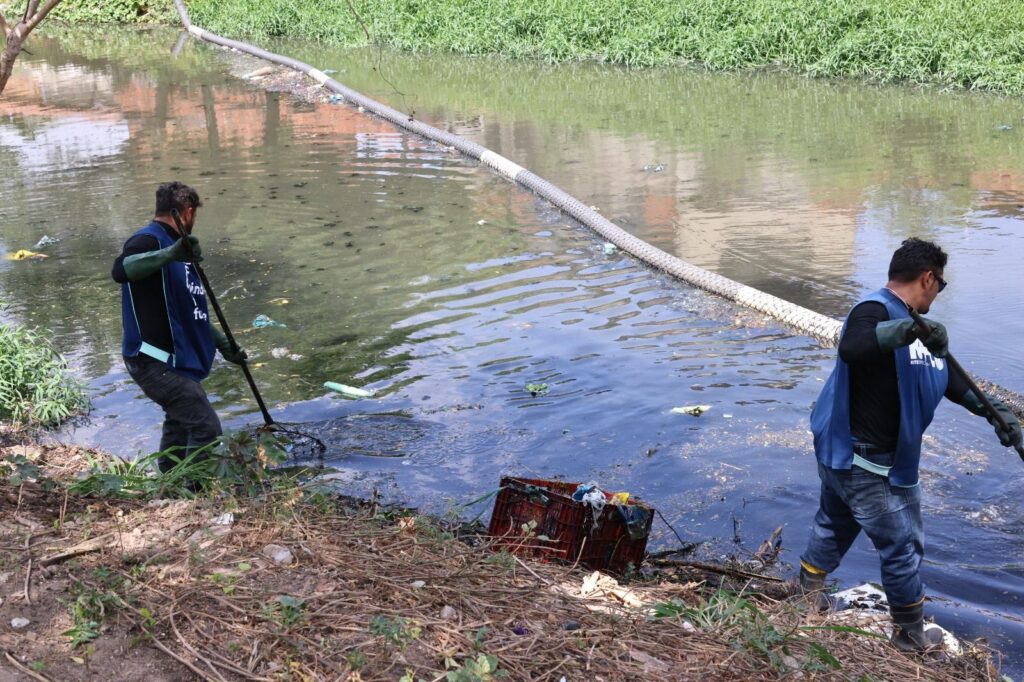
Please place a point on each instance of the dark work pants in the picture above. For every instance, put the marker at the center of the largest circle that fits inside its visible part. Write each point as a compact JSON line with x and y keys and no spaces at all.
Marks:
{"x":189,"y":420}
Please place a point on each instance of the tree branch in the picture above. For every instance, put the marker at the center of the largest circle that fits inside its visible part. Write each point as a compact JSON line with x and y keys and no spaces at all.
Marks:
{"x":41,"y":14}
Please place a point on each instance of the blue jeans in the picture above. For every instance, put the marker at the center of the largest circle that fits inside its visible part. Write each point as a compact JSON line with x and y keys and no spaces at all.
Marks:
{"x":857,"y":500}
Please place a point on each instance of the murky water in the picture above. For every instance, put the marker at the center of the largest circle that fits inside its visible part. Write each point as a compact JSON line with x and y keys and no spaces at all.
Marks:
{"x":401,"y":267}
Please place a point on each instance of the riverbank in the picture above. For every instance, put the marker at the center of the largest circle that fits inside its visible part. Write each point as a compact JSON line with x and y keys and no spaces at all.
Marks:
{"x":294,"y":583}
{"x":970,"y":45}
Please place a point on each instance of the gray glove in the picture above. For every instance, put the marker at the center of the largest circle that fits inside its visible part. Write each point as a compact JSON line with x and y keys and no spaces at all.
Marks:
{"x":894,"y":334}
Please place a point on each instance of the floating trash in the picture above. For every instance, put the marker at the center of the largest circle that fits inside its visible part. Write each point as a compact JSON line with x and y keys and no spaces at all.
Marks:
{"x":692,"y":410}
{"x":45,"y":241}
{"x":654,"y":168}
{"x":609,"y":248}
{"x":25,"y":254}
{"x":262,"y":321}
{"x":336,"y":99}
{"x":279,"y":301}
{"x":1004,"y":127}
{"x":279,"y":353}
{"x":351,"y":391}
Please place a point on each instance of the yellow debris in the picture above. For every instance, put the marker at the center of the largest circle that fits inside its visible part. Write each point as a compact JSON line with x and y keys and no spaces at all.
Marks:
{"x":25,"y":254}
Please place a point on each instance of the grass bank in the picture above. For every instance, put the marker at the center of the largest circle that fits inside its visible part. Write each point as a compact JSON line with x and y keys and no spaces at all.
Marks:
{"x":267,"y":579}
{"x":978,"y":45}
{"x":971,"y":45}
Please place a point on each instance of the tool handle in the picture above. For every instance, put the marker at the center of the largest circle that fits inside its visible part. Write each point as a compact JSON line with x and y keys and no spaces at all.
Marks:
{"x":267,"y":419}
{"x":923,"y":332}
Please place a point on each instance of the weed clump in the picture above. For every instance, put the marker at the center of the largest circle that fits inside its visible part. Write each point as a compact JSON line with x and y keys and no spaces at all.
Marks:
{"x":36,"y":388}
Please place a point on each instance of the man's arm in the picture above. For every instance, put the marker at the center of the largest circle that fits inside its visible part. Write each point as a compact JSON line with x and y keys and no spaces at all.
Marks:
{"x":143,"y":256}
{"x":860,"y":340}
{"x":142,"y":243}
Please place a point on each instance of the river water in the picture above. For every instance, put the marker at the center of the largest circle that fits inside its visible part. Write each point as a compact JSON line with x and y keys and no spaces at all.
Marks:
{"x":399,"y":266}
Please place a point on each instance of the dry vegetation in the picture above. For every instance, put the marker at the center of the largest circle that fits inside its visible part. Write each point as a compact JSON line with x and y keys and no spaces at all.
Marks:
{"x":300,"y":585}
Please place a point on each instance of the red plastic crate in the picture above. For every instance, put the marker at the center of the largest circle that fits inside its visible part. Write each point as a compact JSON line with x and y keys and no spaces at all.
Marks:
{"x":567,"y":524}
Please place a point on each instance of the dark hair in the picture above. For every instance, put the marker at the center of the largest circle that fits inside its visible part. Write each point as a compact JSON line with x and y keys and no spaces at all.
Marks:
{"x":175,"y":195}
{"x":914,"y":257}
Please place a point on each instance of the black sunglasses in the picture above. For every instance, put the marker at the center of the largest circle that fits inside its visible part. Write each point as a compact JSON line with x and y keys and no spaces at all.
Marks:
{"x":942,"y":282}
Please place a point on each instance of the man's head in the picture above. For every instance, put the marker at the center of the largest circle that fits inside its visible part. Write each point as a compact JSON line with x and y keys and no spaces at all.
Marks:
{"x":915,"y":272}
{"x":178,"y":196}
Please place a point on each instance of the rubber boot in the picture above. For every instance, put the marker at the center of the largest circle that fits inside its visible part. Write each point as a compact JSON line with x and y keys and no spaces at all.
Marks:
{"x":910,"y":633}
{"x":812,"y":586}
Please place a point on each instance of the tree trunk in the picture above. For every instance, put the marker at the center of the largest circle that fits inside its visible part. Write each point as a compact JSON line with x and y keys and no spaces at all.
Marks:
{"x":15,"y":37}
{"x":12,"y":49}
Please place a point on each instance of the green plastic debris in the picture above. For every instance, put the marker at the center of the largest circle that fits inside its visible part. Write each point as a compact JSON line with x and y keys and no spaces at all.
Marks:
{"x":350,"y":391}
{"x":263,"y":321}
{"x":610,"y":248}
{"x":537,"y":389}
{"x":692,"y":410}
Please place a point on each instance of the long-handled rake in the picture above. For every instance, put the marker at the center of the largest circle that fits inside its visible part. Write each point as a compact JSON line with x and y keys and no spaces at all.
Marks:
{"x":955,"y":366}
{"x":302,"y":442}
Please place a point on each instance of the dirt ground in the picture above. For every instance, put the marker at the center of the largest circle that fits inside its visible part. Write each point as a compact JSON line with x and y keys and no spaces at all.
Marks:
{"x":300,"y":585}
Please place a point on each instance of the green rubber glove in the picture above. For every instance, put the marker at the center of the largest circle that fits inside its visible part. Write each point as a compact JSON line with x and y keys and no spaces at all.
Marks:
{"x":141,"y":265}
{"x":893,"y":334}
{"x":1007,"y":438}
{"x":224,"y":346}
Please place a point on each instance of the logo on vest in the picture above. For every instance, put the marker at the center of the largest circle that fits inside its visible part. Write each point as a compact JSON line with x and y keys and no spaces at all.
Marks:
{"x":195,"y":289}
{"x":920,"y":355}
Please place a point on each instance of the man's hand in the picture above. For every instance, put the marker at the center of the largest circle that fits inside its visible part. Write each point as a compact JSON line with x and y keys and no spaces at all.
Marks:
{"x":236,"y":356}
{"x":894,"y":334}
{"x":1011,"y":436}
{"x":935,"y":338}
{"x":186,"y":252}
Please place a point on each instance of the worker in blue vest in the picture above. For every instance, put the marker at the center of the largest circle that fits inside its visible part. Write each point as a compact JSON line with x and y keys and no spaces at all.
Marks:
{"x":868,"y":422}
{"x":168,"y":342}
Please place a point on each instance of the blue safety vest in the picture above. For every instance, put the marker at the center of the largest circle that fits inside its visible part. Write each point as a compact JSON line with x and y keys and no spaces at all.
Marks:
{"x":185,"y":298}
{"x":922,"y":382}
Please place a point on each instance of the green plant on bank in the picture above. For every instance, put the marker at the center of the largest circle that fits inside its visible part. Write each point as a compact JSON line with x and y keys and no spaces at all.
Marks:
{"x":285,"y":612}
{"x":484,"y":668}
{"x":355,"y":659}
{"x":89,"y":609}
{"x":36,"y":388}
{"x":395,"y":630}
{"x":237,"y":461}
{"x":18,"y":469}
{"x":749,"y":629}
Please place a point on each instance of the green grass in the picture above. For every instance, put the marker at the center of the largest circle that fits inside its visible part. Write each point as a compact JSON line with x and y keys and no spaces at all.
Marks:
{"x":962,"y":44}
{"x":973,"y":45}
{"x":36,"y":388}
